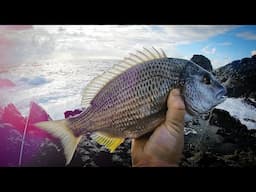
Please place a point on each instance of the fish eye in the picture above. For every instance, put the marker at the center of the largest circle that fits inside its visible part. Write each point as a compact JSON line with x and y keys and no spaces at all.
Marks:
{"x":206,"y":80}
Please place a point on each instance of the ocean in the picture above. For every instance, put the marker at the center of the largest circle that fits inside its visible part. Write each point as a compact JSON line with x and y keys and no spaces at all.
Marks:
{"x":55,"y":84}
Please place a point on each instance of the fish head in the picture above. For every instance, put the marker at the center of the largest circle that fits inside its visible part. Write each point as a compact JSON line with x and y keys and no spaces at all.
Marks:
{"x":201,"y":91}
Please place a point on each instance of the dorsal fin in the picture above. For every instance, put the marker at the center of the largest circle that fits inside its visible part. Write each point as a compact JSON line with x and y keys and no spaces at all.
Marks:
{"x":92,"y":89}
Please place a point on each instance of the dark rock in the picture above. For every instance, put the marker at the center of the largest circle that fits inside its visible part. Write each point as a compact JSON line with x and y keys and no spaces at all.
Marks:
{"x":230,"y":128}
{"x":9,"y":145}
{"x":210,"y":160}
{"x":250,"y":102}
{"x":239,"y":77}
{"x":202,"y":61}
{"x":225,"y":148}
{"x":91,"y":154}
{"x":39,"y":147}
{"x":222,"y":118}
{"x":38,"y":151}
{"x":251,"y":120}
{"x":223,"y":141}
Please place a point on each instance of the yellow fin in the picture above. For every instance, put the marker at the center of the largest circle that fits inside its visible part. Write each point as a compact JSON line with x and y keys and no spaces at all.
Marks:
{"x":111,"y":143}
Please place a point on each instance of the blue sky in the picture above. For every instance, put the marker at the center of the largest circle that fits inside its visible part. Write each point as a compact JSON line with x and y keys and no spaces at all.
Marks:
{"x":220,"y":43}
{"x":232,"y":45}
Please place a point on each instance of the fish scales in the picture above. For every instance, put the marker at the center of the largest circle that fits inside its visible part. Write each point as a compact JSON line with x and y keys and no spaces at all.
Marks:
{"x":128,"y":102}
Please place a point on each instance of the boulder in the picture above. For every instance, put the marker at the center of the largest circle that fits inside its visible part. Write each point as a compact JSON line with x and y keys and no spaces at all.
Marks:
{"x":39,"y":149}
{"x":239,"y":77}
{"x":202,"y":61}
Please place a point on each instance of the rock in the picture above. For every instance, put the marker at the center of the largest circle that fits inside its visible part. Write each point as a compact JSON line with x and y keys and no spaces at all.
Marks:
{"x":91,"y":154}
{"x":39,"y":149}
{"x":239,"y":77}
{"x":231,"y":128}
{"x":250,"y":102}
{"x":221,"y":142}
{"x":9,"y":145}
{"x":202,"y":61}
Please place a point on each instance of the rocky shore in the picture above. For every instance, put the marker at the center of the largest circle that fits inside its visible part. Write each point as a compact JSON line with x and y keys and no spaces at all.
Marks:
{"x":221,"y":139}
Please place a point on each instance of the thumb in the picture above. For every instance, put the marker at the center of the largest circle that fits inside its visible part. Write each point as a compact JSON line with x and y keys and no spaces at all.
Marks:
{"x":176,"y":111}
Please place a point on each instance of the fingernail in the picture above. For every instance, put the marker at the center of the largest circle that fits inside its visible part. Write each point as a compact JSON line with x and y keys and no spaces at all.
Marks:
{"x":175,"y":92}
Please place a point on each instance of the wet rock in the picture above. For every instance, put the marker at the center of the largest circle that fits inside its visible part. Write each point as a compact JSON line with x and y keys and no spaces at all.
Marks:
{"x":202,"y":61}
{"x":37,"y":151}
{"x":39,"y":148}
{"x":239,"y":77}
{"x":222,"y":142}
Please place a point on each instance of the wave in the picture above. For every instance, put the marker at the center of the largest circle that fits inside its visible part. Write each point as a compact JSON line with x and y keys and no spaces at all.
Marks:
{"x":238,"y":108}
{"x":35,"y":80}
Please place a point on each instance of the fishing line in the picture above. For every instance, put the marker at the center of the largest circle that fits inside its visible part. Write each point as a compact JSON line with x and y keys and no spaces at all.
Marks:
{"x":23,"y":139}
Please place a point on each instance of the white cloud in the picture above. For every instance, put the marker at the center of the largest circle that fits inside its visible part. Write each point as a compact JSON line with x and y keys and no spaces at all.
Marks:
{"x":108,"y":41}
{"x":253,"y":52}
{"x":118,"y":40}
{"x":247,"y":35}
{"x":208,"y":50}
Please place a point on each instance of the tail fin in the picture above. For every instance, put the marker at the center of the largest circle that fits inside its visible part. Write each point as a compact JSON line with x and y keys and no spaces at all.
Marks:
{"x":61,"y":130}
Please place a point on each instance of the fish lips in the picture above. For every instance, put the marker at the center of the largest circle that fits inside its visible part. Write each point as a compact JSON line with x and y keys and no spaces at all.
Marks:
{"x":221,"y":96}
{"x":190,"y":110}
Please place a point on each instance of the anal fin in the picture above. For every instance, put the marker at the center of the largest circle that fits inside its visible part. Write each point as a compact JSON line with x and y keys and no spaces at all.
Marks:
{"x":111,"y":143}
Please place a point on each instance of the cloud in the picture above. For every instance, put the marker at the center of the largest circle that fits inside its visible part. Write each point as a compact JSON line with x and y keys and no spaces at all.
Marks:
{"x":106,"y":41}
{"x":253,"y":52}
{"x":247,"y":35}
{"x":208,"y":50}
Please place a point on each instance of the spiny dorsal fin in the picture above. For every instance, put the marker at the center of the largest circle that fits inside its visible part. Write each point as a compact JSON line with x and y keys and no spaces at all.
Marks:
{"x":92,"y":89}
{"x":109,"y":142}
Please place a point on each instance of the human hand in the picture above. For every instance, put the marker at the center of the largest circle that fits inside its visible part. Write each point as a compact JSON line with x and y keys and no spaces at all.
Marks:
{"x":165,"y":146}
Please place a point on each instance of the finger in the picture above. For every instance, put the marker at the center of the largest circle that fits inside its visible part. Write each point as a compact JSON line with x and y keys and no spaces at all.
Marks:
{"x":138,"y":145}
{"x":137,"y":149}
{"x":176,"y":110}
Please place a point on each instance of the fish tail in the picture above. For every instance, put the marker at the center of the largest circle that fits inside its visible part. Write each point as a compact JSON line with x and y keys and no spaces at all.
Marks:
{"x":61,"y":130}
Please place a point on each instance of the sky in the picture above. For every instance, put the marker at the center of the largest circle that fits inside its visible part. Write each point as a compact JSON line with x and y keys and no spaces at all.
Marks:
{"x":220,"y":43}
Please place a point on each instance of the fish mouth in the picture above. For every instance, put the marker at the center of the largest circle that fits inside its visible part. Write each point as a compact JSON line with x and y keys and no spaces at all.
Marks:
{"x":192,"y":111}
{"x":221,"y":96}
{"x":222,"y":93}
{"x":221,"y":100}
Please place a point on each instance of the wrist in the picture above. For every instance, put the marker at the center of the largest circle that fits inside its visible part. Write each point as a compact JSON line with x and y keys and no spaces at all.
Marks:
{"x":155,"y":163}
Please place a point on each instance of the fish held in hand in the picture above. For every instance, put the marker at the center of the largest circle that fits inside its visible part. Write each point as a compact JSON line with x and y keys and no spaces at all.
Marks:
{"x":129,"y":100}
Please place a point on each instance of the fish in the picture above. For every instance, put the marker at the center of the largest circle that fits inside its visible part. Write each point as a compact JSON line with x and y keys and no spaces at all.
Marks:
{"x":130,"y":99}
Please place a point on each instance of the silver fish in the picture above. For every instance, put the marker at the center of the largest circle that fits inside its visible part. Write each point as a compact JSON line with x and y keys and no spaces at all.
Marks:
{"x":129,"y":100}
